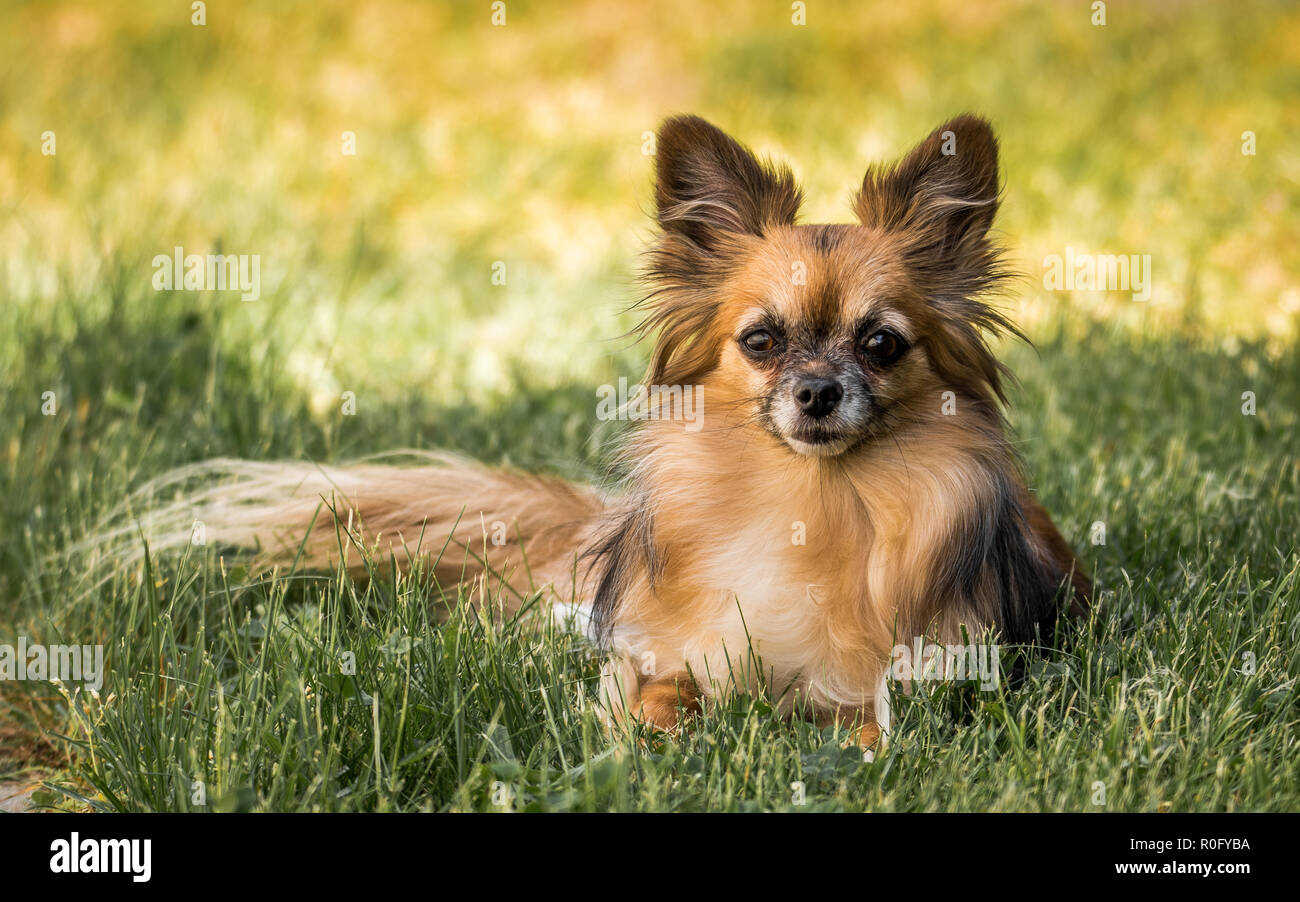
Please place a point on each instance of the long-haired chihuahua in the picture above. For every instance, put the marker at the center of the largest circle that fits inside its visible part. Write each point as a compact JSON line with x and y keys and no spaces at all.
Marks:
{"x":846,"y":481}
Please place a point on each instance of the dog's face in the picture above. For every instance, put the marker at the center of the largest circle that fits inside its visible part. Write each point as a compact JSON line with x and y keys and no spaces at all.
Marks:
{"x":821,"y":332}
{"x":825,"y":336}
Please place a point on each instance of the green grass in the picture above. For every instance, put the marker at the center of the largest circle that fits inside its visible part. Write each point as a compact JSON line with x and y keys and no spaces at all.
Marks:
{"x":523,"y":145}
{"x":241,"y":687}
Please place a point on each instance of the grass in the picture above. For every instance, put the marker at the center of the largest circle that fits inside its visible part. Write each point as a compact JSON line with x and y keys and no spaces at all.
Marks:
{"x":522,"y":145}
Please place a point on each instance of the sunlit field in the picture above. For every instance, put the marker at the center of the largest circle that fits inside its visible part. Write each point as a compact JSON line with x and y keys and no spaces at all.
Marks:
{"x":466,"y":275}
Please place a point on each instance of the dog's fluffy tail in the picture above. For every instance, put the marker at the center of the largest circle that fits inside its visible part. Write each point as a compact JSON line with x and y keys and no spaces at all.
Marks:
{"x":466,"y":521}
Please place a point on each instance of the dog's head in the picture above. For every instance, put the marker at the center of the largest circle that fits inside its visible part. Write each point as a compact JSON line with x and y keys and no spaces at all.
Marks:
{"x":825,"y":336}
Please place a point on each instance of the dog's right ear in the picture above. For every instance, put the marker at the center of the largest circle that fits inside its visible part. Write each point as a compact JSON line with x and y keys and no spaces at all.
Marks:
{"x":708,"y":186}
{"x":711,"y":193}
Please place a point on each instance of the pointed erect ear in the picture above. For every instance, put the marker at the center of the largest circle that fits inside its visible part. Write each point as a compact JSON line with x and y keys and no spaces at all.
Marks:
{"x":941,"y":199}
{"x":945,"y":192}
{"x":708,"y":185}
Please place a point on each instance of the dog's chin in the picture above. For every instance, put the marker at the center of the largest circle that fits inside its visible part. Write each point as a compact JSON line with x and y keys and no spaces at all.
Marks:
{"x":820,"y":443}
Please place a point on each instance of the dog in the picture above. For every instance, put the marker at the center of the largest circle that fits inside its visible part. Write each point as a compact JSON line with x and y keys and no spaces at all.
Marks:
{"x":850,"y":481}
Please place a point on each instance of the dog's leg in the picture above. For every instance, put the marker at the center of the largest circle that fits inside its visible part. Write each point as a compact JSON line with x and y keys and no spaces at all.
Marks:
{"x":665,"y":700}
{"x":872,"y":728}
{"x":882,"y":718}
{"x":660,"y":700}
{"x":882,"y":705}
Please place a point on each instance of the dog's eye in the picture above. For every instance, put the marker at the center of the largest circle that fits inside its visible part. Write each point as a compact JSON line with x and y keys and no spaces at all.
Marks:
{"x":760,"y":341}
{"x":882,"y":347}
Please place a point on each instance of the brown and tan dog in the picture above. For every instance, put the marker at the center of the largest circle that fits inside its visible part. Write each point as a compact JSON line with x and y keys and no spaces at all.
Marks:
{"x":850,"y":484}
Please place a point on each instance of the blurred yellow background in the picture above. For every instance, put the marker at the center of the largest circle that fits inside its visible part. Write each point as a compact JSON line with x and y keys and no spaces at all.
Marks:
{"x":523,"y":143}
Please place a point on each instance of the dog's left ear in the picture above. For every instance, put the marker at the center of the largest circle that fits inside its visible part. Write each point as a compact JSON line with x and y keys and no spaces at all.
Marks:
{"x":944,"y":193}
{"x":940,"y":200}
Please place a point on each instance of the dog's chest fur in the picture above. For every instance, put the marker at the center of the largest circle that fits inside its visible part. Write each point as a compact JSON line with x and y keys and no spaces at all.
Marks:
{"x":798,"y":577}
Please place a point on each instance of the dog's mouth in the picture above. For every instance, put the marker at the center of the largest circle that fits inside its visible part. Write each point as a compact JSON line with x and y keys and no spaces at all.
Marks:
{"x":820,"y":436}
{"x":819,"y":441}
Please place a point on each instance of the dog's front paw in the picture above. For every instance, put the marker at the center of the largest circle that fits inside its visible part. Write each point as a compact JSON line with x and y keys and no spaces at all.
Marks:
{"x":665,"y":703}
{"x":866,"y":738}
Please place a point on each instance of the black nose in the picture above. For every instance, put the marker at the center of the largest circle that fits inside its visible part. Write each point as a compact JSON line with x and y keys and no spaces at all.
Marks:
{"x":817,"y":396}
